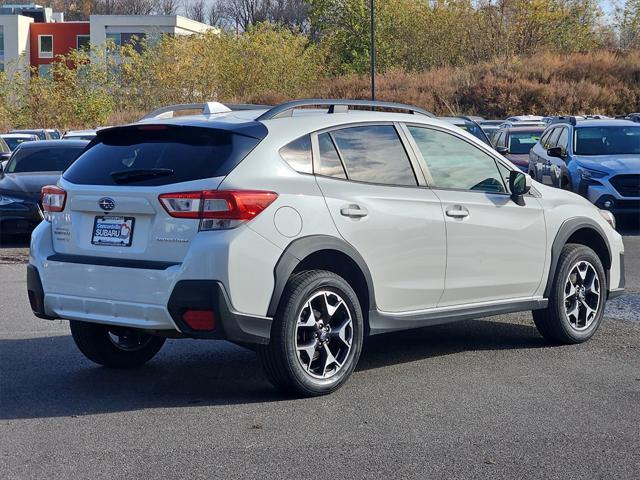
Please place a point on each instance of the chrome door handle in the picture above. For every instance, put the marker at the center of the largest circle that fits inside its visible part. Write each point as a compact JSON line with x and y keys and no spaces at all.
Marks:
{"x":457,"y":212}
{"x":354,"y":211}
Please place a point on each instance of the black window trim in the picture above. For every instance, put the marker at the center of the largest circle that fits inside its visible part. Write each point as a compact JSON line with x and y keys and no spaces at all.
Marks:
{"x":420,"y":182}
{"x":486,"y":149}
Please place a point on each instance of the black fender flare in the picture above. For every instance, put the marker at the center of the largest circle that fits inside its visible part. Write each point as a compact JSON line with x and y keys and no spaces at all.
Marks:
{"x":568,"y":228}
{"x":301,"y":248}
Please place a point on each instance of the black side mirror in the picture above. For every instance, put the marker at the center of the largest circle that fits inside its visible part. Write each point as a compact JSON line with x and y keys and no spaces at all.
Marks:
{"x":557,"y":152}
{"x":519,"y":184}
{"x":502,"y":150}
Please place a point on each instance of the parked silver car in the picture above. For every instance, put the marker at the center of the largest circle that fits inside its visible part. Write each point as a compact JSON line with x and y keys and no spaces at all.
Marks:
{"x":300,"y":231}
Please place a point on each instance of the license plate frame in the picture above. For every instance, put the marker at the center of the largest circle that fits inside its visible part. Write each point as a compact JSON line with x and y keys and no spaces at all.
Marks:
{"x":113,"y":241}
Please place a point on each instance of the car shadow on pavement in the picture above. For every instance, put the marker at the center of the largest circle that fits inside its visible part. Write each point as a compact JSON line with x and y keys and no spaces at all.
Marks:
{"x":47,"y":377}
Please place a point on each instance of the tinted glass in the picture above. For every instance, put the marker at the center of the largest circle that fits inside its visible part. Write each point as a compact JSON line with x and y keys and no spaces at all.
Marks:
{"x":545,"y":138}
{"x":607,"y":140}
{"x":374,"y":154}
{"x":553,"y":138}
{"x":563,"y":139}
{"x":298,"y":154}
{"x":14,"y":142}
{"x":454,"y":163}
{"x":42,"y":160}
{"x":329,"y":162}
{"x":4,"y":148}
{"x":521,"y":142}
{"x":187,"y":153}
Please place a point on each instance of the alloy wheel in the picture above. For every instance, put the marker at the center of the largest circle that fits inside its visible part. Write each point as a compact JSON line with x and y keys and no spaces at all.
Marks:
{"x":582,"y":295}
{"x":324,"y":334}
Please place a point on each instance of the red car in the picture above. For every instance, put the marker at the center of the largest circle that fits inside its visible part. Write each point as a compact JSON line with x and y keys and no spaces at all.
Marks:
{"x":515,"y":143}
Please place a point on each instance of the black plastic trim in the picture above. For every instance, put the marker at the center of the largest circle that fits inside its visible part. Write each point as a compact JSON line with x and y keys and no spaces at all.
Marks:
{"x":387,"y":322}
{"x":301,"y":248}
{"x":568,"y":228}
{"x":36,"y":293}
{"x":230,"y":325}
{"x":111,"y":262}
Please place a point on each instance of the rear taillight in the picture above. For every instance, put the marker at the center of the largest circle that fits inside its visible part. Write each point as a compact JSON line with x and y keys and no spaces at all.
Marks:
{"x":217,"y":209}
{"x":53,"y":199}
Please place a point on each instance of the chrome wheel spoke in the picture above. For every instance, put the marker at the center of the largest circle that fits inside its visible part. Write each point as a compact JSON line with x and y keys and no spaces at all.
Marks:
{"x":342,"y":333}
{"x":329,"y":360}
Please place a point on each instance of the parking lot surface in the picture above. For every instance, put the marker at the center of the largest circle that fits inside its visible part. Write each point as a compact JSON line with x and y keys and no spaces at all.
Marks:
{"x":483,"y":398}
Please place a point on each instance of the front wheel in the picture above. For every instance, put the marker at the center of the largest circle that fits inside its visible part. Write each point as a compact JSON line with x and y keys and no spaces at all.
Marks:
{"x":114,"y":347}
{"x":577,"y":299}
{"x":316,"y":337}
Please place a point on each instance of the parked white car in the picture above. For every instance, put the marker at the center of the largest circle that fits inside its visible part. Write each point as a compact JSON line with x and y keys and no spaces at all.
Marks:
{"x":299,"y":232}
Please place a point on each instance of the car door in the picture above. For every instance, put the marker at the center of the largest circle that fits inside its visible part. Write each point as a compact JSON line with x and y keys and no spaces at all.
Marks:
{"x":369,"y":181}
{"x":495,"y":248}
{"x":559,"y":172}
{"x":545,"y":164}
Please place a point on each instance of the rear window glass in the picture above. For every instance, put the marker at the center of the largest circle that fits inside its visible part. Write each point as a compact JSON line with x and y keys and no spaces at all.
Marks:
{"x":159,"y":157}
{"x":42,"y":159}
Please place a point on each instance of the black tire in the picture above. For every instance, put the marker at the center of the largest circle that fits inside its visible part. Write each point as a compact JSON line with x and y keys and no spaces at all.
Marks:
{"x":95,"y":342}
{"x":553,"y":322}
{"x":279,"y":358}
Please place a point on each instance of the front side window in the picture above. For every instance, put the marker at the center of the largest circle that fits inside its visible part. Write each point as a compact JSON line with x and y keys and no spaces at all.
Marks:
{"x":455,"y":163}
{"x":563,"y":139}
{"x":45,"y":46}
{"x":553,"y":138}
{"x":298,"y":154}
{"x":374,"y":154}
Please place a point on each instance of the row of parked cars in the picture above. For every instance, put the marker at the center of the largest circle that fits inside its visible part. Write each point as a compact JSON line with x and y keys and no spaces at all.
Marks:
{"x":595,"y":156}
{"x":30,"y":159}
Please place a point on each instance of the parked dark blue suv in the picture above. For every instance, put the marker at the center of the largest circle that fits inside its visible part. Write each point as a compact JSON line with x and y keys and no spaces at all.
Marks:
{"x":599,"y":159}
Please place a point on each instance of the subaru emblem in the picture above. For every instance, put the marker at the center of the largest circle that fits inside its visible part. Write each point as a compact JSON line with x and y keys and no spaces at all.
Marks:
{"x":107,"y":203}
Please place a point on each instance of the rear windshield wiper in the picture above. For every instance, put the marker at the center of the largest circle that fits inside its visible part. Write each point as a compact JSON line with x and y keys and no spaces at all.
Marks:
{"x":124,"y":176}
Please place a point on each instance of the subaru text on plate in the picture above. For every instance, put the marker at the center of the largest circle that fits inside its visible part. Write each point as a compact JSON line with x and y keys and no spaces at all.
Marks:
{"x":298,"y":231}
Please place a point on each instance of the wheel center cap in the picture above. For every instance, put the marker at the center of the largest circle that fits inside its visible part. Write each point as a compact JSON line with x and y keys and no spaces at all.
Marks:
{"x":323,"y":336}
{"x":581,"y":294}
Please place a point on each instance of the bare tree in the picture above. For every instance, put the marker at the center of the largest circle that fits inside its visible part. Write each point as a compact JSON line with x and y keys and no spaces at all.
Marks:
{"x":215,"y":15}
{"x":196,"y":10}
{"x":167,"y":7}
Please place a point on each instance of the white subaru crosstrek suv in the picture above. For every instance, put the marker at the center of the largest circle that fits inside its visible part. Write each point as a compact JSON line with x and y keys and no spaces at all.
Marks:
{"x":298,"y":231}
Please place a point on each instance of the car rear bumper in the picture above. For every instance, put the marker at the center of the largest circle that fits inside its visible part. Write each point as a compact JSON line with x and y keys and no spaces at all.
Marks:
{"x":186,"y":295}
{"x":154,"y":295}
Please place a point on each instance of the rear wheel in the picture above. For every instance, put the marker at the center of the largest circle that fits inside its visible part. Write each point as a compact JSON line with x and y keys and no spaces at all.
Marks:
{"x":577,"y":299}
{"x":316,"y":337}
{"x":115,"y":347}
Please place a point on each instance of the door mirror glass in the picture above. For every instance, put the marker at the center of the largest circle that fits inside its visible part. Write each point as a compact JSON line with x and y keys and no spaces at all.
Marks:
{"x":502,"y":150}
{"x":557,"y":152}
{"x":519,"y":183}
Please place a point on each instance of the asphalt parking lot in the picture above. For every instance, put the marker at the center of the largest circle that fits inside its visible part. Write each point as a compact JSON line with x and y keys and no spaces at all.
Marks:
{"x":483,"y":398}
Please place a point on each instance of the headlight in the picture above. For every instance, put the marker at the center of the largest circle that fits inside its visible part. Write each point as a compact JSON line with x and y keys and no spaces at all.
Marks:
{"x":7,"y":200}
{"x":608,"y":216}
{"x":591,"y":174}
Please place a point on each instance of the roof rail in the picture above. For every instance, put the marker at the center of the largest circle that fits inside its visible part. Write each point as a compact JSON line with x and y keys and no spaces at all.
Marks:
{"x":335,"y":106}
{"x":208,"y":108}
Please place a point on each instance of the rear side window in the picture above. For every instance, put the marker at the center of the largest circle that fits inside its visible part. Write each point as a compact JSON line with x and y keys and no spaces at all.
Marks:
{"x":42,"y":159}
{"x":329,"y":163}
{"x":374,"y":154}
{"x":298,"y":154}
{"x":148,"y":156}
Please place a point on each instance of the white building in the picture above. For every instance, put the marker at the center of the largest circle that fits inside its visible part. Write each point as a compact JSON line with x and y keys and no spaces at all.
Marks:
{"x":14,"y":41}
{"x":121,"y":28}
